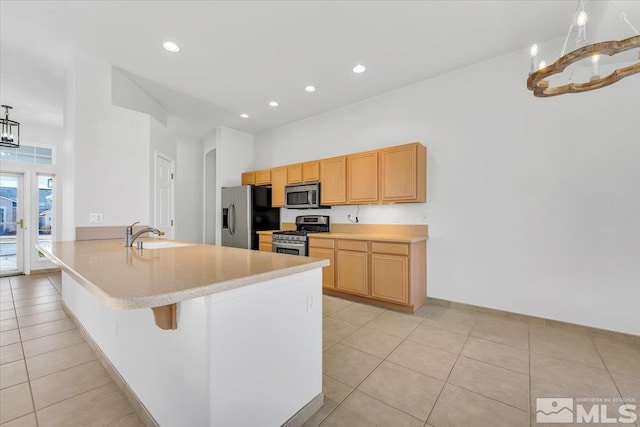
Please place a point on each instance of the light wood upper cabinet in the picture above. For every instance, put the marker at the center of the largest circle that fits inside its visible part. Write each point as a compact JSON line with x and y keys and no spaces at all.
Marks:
{"x":248,"y":178}
{"x":294,"y":174}
{"x":263,"y":177}
{"x":333,"y":179}
{"x":278,"y":181}
{"x":390,"y":175}
{"x":403,"y":173}
{"x":311,"y":171}
{"x":362,"y":177}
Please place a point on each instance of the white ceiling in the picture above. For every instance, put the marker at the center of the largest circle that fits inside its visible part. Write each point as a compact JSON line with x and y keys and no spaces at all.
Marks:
{"x":238,"y":56}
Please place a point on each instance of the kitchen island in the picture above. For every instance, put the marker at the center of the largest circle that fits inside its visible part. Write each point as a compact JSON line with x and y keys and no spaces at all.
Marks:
{"x":202,"y":335}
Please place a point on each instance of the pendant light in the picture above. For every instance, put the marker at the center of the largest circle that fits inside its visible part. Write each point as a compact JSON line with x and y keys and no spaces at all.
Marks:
{"x":538,"y":81}
{"x":9,"y":130}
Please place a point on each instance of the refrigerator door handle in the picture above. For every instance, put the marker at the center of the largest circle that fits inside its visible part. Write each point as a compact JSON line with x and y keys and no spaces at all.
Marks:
{"x":232,"y":219}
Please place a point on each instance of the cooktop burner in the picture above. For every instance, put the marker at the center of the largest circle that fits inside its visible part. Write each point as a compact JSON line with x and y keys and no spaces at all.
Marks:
{"x":305,"y":225}
{"x":294,"y":232}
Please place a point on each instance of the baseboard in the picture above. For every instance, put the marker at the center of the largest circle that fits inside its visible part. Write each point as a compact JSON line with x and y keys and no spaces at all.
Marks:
{"x":137,"y":404}
{"x":537,"y":320}
{"x":306,"y":412}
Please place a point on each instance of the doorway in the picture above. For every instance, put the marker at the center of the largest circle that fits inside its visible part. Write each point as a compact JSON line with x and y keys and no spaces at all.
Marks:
{"x":164,"y":194}
{"x":11,"y":224}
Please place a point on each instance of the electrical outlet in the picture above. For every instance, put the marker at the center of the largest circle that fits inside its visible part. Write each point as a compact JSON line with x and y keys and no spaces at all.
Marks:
{"x":396,"y":219}
{"x":95,"y":217}
{"x":424,"y":217}
{"x":309,"y":303}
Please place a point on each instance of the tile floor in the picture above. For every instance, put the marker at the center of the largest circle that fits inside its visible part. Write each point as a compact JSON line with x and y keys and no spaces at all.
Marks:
{"x":49,"y":376}
{"x":438,"y":367}
{"x":450,"y":367}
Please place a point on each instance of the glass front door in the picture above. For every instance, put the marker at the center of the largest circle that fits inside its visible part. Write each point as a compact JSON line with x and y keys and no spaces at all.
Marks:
{"x":11,"y":224}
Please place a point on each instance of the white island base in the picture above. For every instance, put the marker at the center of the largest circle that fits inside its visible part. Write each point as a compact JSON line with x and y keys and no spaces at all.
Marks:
{"x":250,"y":356}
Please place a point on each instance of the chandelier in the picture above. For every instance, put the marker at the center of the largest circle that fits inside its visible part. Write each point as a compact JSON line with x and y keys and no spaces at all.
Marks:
{"x":9,"y":130}
{"x":540,"y":73}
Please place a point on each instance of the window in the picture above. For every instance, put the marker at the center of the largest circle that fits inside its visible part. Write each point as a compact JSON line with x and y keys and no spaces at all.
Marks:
{"x":45,"y":209}
{"x":28,"y":154}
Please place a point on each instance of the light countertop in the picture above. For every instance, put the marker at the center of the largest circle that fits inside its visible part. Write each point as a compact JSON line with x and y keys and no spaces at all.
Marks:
{"x":127,"y":278}
{"x":380,"y":237}
{"x":398,"y":238}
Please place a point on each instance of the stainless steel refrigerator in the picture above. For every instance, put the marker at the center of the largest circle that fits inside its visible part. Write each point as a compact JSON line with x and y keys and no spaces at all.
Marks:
{"x":246,"y":210}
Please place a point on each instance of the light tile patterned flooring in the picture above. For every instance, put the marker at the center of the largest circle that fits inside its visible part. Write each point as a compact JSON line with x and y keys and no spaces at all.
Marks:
{"x":443,"y":366}
{"x":438,"y":367}
{"x":49,"y":376}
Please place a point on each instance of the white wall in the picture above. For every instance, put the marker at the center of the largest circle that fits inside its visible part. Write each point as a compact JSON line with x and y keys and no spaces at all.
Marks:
{"x":533,"y":204}
{"x":109,"y":154}
{"x":189,"y":188}
{"x":125,"y":93}
{"x":111,"y":148}
{"x":209,"y":188}
{"x":66,"y":160}
{"x":234,"y":153}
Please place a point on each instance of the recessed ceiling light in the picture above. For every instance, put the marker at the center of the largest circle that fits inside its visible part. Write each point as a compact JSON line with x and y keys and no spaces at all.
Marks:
{"x":273,"y":104}
{"x":244,"y":115}
{"x":171,"y":46}
{"x":310,"y":88}
{"x":359,"y":69}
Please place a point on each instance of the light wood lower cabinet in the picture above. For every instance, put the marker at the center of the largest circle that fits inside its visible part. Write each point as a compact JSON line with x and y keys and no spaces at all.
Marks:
{"x":324,"y":248}
{"x":352,"y":272}
{"x":389,"y":277}
{"x":384,"y":273}
{"x":327,"y":272}
{"x":264,"y":243}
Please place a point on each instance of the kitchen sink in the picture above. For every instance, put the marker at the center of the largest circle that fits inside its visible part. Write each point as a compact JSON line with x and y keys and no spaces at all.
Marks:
{"x":163,"y":244}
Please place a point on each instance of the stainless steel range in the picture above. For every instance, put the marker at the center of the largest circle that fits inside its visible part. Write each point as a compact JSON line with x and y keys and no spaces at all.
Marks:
{"x":295,"y":242}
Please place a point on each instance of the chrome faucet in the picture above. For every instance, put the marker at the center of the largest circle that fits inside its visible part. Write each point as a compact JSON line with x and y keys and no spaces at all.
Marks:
{"x":129,"y":237}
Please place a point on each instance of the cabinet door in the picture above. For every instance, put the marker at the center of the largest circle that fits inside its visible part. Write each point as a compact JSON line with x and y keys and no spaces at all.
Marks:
{"x":351,"y":271}
{"x":278,"y":181}
{"x":294,"y":174}
{"x":390,"y":278}
{"x":327,"y":272}
{"x":362,"y":177}
{"x":265,"y":247}
{"x":311,"y":171}
{"x":403,"y":173}
{"x":333,"y":181}
{"x":263,"y":177}
{"x":264,"y":242}
{"x":248,"y":178}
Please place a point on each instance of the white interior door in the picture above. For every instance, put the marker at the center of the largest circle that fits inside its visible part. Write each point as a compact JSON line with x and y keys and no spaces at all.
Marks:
{"x":164,"y":195}
{"x":11,"y":224}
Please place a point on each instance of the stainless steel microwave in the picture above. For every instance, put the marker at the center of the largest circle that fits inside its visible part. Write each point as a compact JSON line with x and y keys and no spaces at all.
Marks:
{"x":302,"y":196}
